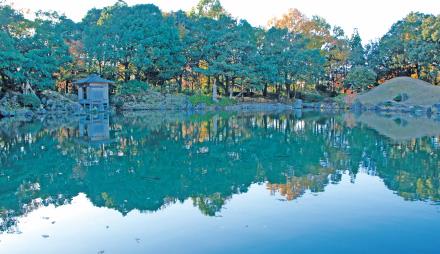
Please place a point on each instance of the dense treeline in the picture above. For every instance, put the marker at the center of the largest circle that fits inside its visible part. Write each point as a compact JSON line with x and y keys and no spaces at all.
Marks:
{"x":207,"y":51}
{"x":411,"y":47}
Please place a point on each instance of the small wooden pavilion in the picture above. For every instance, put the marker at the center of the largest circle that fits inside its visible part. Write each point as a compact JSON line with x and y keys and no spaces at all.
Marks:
{"x":93,"y":92}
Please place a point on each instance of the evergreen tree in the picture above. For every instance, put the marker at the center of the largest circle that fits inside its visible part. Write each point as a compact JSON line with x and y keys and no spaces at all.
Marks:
{"x":357,"y":52}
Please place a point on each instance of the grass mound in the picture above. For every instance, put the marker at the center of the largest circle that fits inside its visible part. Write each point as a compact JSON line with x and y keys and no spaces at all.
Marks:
{"x":418,"y":92}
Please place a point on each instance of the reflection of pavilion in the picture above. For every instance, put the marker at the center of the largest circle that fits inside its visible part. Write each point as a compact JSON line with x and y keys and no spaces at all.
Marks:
{"x":94,"y":128}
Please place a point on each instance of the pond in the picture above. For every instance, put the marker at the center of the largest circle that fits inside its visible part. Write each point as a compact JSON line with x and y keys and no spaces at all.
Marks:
{"x":220,"y":183}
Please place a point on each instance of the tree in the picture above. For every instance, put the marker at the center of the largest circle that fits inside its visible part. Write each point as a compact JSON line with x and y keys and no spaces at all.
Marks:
{"x":32,"y":51}
{"x":214,"y":50}
{"x":133,"y":42}
{"x":11,"y":61}
{"x":208,"y":9}
{"x":45,"y":52}
{"x":316,"y":29}
{"x":241,"y":60}
{"x":337,"y":55}
{"x":357,"y":52}
{"x":408,"y":49}
{"x":13,"y":26}
{"x":360,"y":77}
{"x":431,"y":35}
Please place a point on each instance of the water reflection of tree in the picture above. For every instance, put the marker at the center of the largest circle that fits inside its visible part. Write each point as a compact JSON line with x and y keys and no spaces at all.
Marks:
{"x":158,"y":161}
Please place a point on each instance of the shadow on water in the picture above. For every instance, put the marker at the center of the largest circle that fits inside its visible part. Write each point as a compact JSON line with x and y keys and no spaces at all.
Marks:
{"x":150,"y":160}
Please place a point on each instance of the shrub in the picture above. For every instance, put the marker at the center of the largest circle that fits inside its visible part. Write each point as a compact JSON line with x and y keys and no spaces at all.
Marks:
{"x":226,"y":101}
{"x":401,"y":97}
{"x":119,"y":103}
{"x":133,"y":87}
{"x":29,"y":100}
{"x":199,"y":99}
{"x":207,"y":100}
{"x":360,"y":78}
{"x":311,"y":97}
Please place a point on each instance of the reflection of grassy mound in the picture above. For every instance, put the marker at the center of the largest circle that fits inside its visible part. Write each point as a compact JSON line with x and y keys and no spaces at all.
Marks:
{"x":400,"y":128}
{"x":419,"y":92}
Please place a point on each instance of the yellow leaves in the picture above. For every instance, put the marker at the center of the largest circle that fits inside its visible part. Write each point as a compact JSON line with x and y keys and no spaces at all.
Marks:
{"x":199,"y":132}
{"x":203,"y":64}
{"x":182,"y":31}
{"x":293,"y":20}
{"x":203,"y":132}
{"x":107,"y":199}
{"x":104,"y":17}
{"x":315,"y":29}
{"x":426,"y":190}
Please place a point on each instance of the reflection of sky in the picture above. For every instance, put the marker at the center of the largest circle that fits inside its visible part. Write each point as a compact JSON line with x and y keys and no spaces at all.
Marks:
{"x":346,"y":217}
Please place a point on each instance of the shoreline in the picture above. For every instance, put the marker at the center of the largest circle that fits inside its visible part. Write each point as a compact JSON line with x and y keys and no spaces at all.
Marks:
{"x":61,"y":106}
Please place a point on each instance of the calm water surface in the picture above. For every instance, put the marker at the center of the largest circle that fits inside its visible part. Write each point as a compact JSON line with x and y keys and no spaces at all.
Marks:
{"x":220,"y":183}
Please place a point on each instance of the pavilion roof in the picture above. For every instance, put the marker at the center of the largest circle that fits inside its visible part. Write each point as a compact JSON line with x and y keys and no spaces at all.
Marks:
{"x":93,"y":78}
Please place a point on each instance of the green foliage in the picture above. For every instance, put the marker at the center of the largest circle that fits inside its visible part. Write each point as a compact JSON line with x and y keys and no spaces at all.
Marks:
{"x":408,"y":49}
{"x":119,"y":103}
{"x":360,"y":78}
{"x":400,"y":97}
{"x":207,"y":101}
{"x":133,"y":87}
{"x":311,"y":97}
{"x":208,"y":51}
{"x":123,"y":41}
{"x":31,"y":50}
{"x":201,"y":99}
{"x":357,"y":52}
{"x":29,"y":100}
{"x":208,"y":8}
{"x":225,"y":101}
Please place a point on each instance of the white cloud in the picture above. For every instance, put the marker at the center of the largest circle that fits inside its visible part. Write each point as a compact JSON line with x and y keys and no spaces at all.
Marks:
{"x":373,"y":18}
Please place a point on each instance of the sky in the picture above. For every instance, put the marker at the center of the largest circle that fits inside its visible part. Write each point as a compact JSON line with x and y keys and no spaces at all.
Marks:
{"x":372,"y":18}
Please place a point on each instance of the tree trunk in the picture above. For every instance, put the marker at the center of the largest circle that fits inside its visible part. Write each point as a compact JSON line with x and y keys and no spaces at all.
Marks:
{"x":223,"y":84}
{"x":278,"y":92}
{"x":265,"y":90}
{"x":294,"y":91}
{"x":231,"y":88}
{"x":126,"y":72}
{"x":214,"y":90}
{"x":3,"y":80}
{"x":287,"y":86}
{"x":418,"y":71}
{"x":179,"y":83}
{"x":226,"y":85}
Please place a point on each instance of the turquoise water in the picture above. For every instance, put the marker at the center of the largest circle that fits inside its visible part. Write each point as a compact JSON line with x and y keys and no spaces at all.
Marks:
{"x":220,"y":183}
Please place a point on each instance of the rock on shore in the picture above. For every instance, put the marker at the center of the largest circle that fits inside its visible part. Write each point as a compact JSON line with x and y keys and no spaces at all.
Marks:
{"x":49,"y":102}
